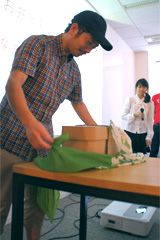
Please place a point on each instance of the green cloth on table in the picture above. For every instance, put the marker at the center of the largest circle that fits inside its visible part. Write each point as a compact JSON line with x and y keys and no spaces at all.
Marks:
{"x":69,"y":160}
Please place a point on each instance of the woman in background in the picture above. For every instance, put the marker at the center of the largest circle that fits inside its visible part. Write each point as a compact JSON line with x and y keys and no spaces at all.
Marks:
{"x":138,"y":113}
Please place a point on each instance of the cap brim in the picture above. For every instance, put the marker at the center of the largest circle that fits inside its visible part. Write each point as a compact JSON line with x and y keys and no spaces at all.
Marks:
{"x":101,"y":40}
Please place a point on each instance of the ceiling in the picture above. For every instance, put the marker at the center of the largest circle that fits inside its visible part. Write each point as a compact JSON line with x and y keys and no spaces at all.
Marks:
{"x":136,"y":21}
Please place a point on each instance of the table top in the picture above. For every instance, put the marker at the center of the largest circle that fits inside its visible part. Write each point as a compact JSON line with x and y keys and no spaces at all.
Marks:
{"x":139,"y":178}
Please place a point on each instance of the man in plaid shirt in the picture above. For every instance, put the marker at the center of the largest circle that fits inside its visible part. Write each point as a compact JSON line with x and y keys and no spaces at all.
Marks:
{"x":43,"y":75}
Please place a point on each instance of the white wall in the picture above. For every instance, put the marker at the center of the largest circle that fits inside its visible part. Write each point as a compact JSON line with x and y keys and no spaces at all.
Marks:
{"x":91,"y":67}
{"x":118,"y":79}
{"x":141,"y":66}
{"x":154,"y":70}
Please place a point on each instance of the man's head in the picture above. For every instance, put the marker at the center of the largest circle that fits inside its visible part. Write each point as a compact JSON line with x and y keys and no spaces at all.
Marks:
{"x":95,"y":25}
{"x":86,"y":32}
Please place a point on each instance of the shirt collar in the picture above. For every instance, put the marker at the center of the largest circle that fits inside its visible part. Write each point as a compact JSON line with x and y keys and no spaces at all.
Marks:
{"x":139,"y":99}
{"x":62,"y":53}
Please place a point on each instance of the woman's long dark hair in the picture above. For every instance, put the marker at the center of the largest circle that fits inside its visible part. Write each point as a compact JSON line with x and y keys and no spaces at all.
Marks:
{"x":144,"y":83}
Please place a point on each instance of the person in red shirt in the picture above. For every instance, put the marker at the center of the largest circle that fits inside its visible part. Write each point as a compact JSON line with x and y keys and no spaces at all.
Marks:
{"x":156,"y":126}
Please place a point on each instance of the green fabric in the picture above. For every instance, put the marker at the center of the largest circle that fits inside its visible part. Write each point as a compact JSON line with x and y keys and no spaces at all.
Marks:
{"x":124,"y":145}
{"x":122,"y":140}
{"x":63,"y":159}
{"x":45,"y":199}
{"x":70,"y":160}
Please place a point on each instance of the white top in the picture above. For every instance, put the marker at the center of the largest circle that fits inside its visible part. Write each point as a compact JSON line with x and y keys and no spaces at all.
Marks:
{"x":135,"y":124}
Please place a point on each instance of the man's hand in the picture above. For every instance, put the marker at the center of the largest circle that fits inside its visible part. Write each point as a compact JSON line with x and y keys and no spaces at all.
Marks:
{"x":38,"y":135}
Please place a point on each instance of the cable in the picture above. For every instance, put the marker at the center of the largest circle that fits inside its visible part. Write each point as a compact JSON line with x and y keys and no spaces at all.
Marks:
{"x":47,"y":219}
{"x":61,"y":218}
{"x":68,"y":237}
{"x":96,"y":214}
{"x":77,"y":195}
{"x":65,"y":237}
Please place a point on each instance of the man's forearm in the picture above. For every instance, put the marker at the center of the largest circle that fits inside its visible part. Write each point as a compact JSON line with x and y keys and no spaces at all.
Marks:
{"x":83,"y":113}
{"x":36,"y":133}
{"x":16,"y":97}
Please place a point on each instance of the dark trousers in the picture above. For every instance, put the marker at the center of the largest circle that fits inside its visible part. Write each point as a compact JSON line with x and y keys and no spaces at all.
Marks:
{"x":155,"y":140}
{"x":138,"y":142}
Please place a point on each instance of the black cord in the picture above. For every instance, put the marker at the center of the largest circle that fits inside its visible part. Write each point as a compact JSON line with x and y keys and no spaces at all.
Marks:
{"x":47,"y":219}
{"x":74,"y":201}
{"x":89,"y":217}
{"x":65,"y":237}
{"x":77,"y":195}
{"x":61,"y":218}
{"x":68,"y":237}
{"x":96,"y":214}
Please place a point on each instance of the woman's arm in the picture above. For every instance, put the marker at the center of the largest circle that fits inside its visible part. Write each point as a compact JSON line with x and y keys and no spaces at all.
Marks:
{"x":127,"y":115}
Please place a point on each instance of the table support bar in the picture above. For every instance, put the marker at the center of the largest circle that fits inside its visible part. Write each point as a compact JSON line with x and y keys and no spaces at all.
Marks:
{"x":83,"y":217}
{"x":17,"y":209}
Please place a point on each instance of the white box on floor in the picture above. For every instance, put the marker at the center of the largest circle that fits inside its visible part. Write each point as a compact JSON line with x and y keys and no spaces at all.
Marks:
{"x":127,"y":217}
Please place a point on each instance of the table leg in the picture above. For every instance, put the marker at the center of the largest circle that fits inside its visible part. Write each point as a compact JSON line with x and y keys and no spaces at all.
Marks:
{"x":17,"y":209}
{"x":83,"y":217}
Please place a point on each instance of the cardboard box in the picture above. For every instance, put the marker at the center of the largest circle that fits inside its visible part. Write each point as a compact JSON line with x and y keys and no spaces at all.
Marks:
{"x":87,"y":138}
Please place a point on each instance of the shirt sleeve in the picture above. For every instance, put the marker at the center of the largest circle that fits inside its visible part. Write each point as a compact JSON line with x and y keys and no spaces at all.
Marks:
{"x":127,"y":114}
{"x":150,"y":116}
{"x":27,"y":56}
{"x":153,"y":99}
{"x":76,"y":94}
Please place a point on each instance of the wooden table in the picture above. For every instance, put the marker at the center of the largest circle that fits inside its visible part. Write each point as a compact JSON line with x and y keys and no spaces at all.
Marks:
{"x":139,"y":183}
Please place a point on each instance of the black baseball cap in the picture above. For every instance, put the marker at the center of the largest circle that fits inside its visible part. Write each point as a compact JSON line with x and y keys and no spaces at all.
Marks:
{"x":96,"y":25}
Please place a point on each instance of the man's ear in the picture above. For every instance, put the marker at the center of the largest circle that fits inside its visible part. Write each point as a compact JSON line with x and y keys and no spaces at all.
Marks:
{"x":73,"y":28}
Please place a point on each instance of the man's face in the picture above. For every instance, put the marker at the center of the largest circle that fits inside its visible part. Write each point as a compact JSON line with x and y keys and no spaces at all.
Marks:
{"x":81,"y":44}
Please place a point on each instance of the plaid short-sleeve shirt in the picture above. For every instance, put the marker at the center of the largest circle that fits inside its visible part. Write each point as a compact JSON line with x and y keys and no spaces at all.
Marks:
{"x":50,"y":81}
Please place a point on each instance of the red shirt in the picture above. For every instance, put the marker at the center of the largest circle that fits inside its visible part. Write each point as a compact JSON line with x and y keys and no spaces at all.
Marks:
{"x":156,"y":101}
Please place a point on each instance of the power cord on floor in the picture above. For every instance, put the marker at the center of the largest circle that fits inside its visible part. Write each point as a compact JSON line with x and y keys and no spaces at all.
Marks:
{"x":74,"y":201}
{"x":96,"y":215}
{"x":59,"y":218}
{"x":69,"y":237}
